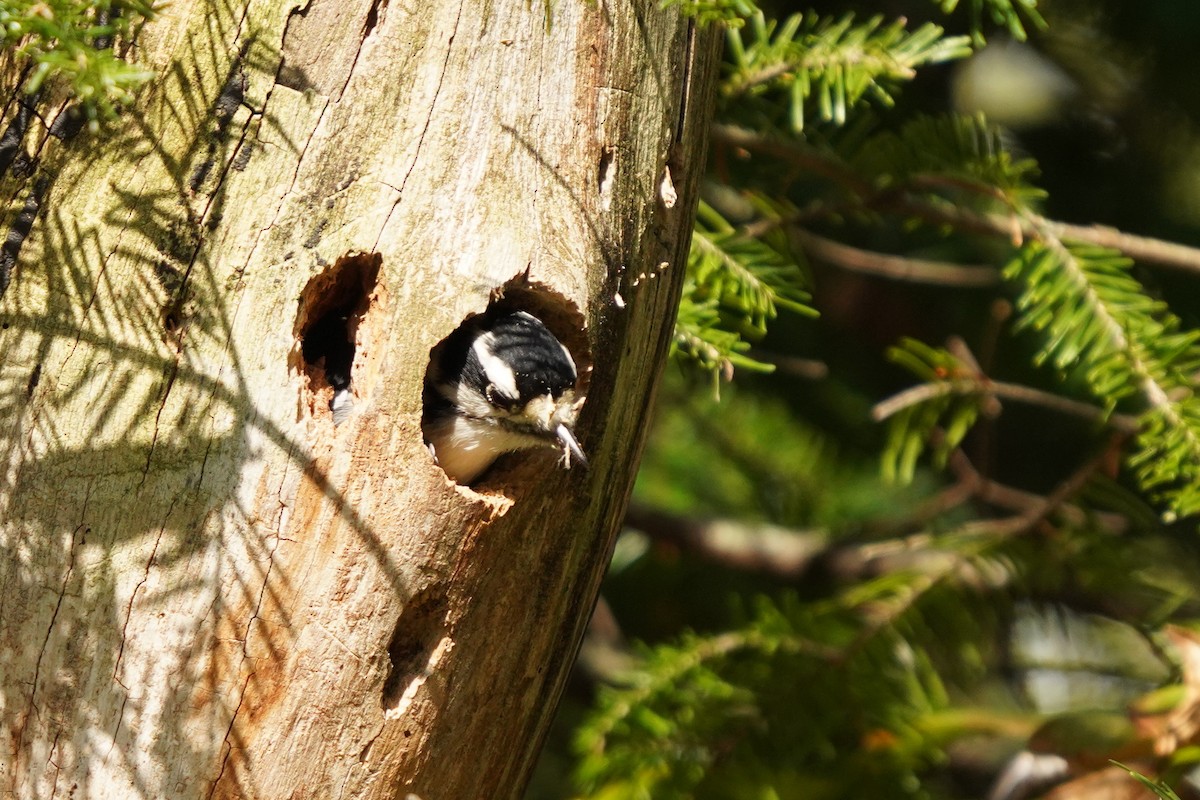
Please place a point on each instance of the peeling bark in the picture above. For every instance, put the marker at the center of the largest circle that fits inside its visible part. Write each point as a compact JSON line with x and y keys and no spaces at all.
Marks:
{"x":207,"y":589}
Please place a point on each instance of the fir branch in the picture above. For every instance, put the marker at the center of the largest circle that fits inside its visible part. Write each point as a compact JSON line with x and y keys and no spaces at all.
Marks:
{"x":846,"y":663}
{"x":1098,"y":320}
{"x":1160,"y":789}
{"x":959,"y":158}
{"x":71,"y":41}
{"x":940,"y":404}
{"x":735,"y":285}
{"x":733,"y":13}
{"x":894,"y":199}
{"x":701,"y":338}
{"x":746,"y":275}
{"x":657,"y":735}
{"x":837,"y":62}
{"x":1005,"y":13}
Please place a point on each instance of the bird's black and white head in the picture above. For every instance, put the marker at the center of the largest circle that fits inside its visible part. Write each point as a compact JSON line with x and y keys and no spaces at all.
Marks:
{"x":500,"y":383}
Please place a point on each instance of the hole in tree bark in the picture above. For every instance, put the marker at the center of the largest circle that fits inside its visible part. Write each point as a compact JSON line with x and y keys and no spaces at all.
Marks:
{"x":333,"y":309}
{"x":418,"y":646}
{"x":606,"y":174}
{"x":465,"y":455}
{"x":374,"y":16}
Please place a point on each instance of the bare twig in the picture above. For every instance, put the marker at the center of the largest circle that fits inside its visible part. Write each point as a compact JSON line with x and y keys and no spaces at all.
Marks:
{"x":806,"y":368}
{"x":770,"y":549}
{"x":1005,"y":391}
{"x":1054,"y":501}
{"x":1000,"y":495}
{"x":1139,"y":248}
{"x":1015,"y":229}
{"x":892,"y":267}
{"x":1064,"y":405}
{"x":1011,"y":227}
{"x":921,"y":393}
{"x":791,"y":554}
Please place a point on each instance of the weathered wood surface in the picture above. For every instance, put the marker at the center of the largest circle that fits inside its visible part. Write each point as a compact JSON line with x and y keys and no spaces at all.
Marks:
{"x":208,"y":590}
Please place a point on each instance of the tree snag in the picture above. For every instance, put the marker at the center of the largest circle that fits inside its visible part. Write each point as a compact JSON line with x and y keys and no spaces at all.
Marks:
{"x":209,"y":590}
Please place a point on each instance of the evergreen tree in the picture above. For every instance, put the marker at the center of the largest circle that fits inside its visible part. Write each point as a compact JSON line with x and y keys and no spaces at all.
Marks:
{"x":1029,"y":505}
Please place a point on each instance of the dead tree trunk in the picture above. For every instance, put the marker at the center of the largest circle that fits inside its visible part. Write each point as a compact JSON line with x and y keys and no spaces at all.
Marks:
{"x":206,"y":588}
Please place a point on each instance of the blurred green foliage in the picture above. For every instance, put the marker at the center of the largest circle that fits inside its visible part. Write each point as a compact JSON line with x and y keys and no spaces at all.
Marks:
{"x":69,"y":44}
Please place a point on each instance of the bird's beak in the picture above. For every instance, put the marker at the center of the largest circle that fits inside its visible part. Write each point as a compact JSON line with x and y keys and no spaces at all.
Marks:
{"x":570,"y":446}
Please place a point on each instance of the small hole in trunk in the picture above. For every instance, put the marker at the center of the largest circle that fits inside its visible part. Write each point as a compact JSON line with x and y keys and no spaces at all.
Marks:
{"x":333,"y":308}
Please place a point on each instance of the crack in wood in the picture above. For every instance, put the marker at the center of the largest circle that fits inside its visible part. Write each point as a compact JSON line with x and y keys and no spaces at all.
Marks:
{"x":375,"y":15}
{"x":228,"y":733}
{"x":120,"y":719}
{"x":34,"y":379}
{"x":133,"y":597}
{"x":262,"y":592}
{"x":685,"y":92}
{"x":174,"y":372}
{"x":424,"y":128}
{"x":31,"y":710}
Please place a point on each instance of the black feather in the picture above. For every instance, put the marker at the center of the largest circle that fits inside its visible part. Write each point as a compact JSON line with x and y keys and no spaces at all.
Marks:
{"x":534,"y":354}
{"x":539,"y":364}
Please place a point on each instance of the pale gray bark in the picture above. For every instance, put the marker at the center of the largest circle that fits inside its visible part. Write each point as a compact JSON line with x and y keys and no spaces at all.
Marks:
{"x":208,"y":590}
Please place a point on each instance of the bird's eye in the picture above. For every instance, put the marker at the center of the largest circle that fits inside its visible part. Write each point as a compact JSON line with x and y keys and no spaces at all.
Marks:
{"x":499,"y":398}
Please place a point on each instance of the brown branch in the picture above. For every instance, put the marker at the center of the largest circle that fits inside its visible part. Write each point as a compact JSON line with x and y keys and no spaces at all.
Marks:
{"x":892,"y":267}
{"x":1064,"y":405}
{"x":791,"y":554}
{"x":1001,"y":495}
{"x":1051,"y":503}
{"x":922,"y":392}
{"x":1139,"y":248}
{"x":769,"y":549}
{"x":1011,"y":227}
{"x":1016,"y":229}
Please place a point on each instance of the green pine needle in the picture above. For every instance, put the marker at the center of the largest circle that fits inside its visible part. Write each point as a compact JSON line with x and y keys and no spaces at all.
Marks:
{"x":1010,"y":15}
{"x":1097,"y":320}
{"x":69,"y":42}
{"x":736,"y":284}
{"x":834,"y":63}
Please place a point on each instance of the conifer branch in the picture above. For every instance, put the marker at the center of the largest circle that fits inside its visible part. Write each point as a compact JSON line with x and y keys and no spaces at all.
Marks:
{"x":923,"y":392}
{"x":1008,"y":13}
{"x":71,"y":41}
{"x":1010,"y":227}
{"x":837,"y":62}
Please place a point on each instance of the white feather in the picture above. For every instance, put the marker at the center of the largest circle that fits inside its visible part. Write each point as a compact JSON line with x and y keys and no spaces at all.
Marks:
{"x":498,"y":373}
